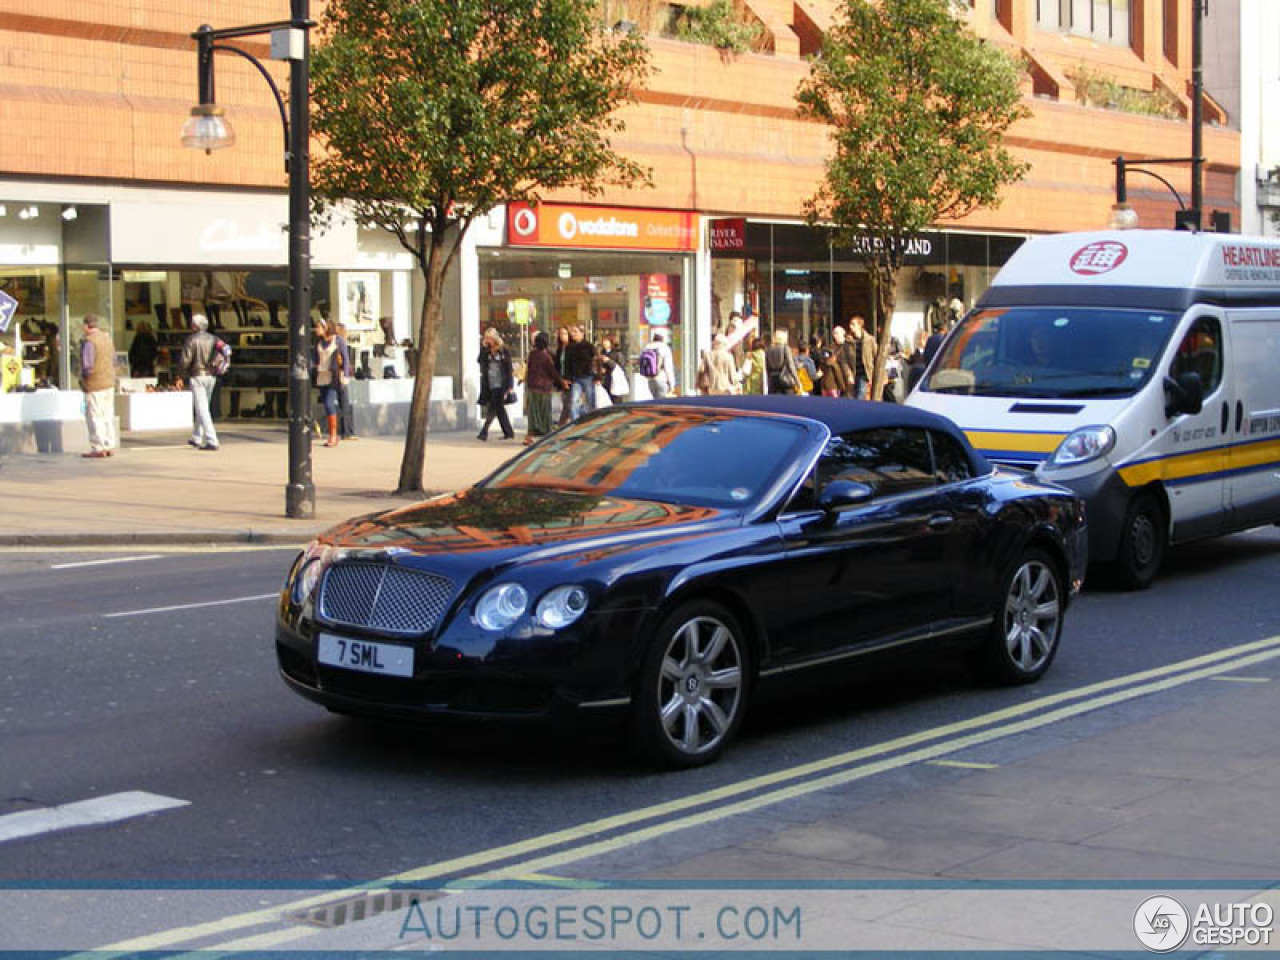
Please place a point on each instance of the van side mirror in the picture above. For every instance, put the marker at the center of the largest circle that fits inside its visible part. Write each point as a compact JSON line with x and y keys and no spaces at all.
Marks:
{"x":1184,"y":395}
{"x":842,"y":494}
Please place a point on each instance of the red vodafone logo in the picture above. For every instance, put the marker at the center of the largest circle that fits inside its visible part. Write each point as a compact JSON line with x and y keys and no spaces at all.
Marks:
{"x":524,"y":222}
{"x":1100,"y":257}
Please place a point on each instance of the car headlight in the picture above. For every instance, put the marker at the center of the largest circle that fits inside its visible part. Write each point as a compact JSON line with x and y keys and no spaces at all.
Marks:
{"x":562,"y":606}
{"x":315,"y":560}
{"x":1083,"y":445}
{"x":501,"y":606}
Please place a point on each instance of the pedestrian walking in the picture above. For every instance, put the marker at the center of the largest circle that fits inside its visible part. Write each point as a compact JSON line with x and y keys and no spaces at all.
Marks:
{"x":329,"y":372}
{"x":198,"y":367}
{"x":497,"y":384}
{"x":580,"y":371}
{"x":98,"y":382}
{"x":752,"y":372}
{"x":561,"y":357}
{"x":780,"y":365}
{"x":721,"y":374}
{"x":860,"y":356}
{"x":541,"y":382}
{"x":657,"y":366}
{"x":613,"y":371}
{"x":346,"y":419}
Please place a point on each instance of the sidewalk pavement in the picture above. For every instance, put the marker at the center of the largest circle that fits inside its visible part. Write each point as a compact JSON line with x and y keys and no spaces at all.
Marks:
{"x":157,"y":489}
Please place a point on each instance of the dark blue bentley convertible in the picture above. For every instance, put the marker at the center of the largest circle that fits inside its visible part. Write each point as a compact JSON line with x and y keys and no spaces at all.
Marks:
{"x":669,"y":560}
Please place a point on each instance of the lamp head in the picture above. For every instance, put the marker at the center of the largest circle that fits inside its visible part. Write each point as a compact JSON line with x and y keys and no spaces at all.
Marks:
{"x":1123,"y":217}
{"x":207,"y":129}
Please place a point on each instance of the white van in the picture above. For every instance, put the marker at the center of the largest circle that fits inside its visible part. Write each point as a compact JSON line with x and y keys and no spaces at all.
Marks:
{"x":1139,"y":368}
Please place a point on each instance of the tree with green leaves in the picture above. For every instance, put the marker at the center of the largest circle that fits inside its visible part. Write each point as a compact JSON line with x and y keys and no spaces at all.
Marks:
{"x":432,"y":112}
{"x":918,"y":107}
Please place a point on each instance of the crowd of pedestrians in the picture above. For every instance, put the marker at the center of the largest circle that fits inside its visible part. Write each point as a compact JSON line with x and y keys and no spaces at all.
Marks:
{"x":576,"y":376}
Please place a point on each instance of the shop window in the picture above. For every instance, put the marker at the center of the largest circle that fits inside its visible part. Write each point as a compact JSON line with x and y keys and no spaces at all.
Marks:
{"x":33,"y":345}
{"x":622,"y":297}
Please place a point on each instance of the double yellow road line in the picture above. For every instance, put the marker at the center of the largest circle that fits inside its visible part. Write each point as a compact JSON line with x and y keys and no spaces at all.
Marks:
{"x":609,"y":834}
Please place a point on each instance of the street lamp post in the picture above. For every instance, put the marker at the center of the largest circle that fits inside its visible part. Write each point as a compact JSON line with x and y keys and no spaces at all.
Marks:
{"x":1187,"y":218}
{"x":207,"y":129}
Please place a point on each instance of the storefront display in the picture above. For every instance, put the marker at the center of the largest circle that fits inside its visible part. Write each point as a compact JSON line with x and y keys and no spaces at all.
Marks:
{"x":793,"y":277}
{"x":619,"y":273}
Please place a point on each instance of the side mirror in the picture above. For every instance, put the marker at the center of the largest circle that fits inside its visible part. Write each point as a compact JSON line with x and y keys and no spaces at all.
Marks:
{"x":842,"y":494}
{"x":1184,"y":395}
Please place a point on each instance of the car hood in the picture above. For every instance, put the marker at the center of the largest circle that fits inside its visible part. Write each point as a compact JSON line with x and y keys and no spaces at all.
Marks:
{"x":483,"y":527}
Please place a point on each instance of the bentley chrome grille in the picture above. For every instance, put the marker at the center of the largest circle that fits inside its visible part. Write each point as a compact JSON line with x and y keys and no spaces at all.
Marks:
{"x":380,"y":596}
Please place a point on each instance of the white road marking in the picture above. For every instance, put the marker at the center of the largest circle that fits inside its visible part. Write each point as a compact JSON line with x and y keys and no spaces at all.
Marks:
{"x":108,"y":809}
{"x":96,"y":563}
{"x":192,"y":606}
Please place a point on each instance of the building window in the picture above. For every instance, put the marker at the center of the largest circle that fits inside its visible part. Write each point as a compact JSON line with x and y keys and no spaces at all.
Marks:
{"x":1106,"y":21}
{"x":1171,"y":31}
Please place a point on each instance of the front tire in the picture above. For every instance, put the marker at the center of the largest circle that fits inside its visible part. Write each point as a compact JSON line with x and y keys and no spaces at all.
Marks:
{"x":693,"y":687}
{"x":1028,"y":621}
{"x":1143,"y":539}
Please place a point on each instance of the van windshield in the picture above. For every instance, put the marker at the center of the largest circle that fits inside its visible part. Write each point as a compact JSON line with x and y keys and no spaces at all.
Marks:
{"x":1052,"y":352}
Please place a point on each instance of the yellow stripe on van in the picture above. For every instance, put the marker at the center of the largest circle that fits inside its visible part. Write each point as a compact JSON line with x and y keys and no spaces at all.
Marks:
{"x":1254,"y":455}
{"x":1013,"y":440}
{"x":1175,"y":467}
{"x":1203,"y":462}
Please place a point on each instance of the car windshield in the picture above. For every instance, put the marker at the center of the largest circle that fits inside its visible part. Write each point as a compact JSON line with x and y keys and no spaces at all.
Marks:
{"x":1052,"y":352}
{"x":706,"y":458}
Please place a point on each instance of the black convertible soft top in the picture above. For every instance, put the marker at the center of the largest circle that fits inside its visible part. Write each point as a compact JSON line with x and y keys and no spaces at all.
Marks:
{"x":840,"y":415}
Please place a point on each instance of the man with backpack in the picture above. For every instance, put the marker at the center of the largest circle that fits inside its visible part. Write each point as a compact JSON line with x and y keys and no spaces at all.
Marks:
{"x":657,"y":366}
{"x":204,"y":358}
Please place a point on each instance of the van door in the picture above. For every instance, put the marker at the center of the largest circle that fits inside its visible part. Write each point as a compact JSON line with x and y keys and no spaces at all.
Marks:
{"x":1253,"y":468}
{"x":1193,"y":454}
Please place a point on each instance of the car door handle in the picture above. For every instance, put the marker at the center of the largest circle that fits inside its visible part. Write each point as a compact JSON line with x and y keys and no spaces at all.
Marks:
{"x":940,"y":521}
{"x":1226,"y":418}
{"x":1239,"y":415}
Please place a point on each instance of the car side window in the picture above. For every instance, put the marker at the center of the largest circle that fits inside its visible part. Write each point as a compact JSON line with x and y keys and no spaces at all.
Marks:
{"x":950,"y":461}
{"x":890,"y":461}
{"x":1201,"y":352}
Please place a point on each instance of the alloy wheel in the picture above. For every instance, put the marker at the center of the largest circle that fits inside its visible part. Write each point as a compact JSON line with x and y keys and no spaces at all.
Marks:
{"x":1032,"y":612}
{"x":700,"y":685}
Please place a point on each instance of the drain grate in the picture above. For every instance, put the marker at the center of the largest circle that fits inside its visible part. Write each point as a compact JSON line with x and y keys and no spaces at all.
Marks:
{"x":361,"y":906}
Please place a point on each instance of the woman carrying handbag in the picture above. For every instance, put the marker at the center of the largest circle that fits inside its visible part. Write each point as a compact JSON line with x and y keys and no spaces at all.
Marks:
{"x":497,"y":384}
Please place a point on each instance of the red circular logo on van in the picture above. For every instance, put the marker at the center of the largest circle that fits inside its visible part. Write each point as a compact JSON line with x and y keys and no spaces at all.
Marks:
{"x":1101,"y":257}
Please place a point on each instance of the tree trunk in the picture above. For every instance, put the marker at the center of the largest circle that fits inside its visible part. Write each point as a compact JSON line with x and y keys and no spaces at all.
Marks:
{"x":884,"y":280}
{"x":415,"y":441}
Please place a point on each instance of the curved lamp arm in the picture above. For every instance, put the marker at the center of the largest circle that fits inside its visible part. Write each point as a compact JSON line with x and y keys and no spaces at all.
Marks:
{"x":275,"y":92}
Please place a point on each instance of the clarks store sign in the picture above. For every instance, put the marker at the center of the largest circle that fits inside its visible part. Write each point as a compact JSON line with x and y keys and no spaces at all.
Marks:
{"x":614,"y":228}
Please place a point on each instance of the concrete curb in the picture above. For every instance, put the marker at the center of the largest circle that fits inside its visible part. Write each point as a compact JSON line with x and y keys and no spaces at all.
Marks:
{"x":175,"y":538}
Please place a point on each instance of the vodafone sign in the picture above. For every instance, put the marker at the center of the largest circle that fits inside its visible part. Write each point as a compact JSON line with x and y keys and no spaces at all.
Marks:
{"x":616,"y":228}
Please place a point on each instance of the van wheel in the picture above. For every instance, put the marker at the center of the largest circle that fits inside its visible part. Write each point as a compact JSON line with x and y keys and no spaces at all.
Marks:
{"x":693,"y":687}
{"x":1143,"y":539}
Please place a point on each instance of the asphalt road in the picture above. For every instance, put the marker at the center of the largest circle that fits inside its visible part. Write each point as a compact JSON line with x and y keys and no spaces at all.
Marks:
{"x":186,"y":703}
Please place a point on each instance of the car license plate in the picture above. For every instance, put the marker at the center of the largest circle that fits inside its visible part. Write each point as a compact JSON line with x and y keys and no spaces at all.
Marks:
{"x":386,"y":658}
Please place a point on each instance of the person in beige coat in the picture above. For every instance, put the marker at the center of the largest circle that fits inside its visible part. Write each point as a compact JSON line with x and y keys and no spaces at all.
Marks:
{"x":719,"y":372}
